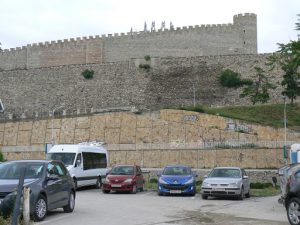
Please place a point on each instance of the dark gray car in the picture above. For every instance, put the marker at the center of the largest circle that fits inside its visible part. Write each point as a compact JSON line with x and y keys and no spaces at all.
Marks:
{"x":50,"y":186}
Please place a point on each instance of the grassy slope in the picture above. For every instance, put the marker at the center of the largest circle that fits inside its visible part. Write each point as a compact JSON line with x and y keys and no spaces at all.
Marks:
{"x":270,"y":115}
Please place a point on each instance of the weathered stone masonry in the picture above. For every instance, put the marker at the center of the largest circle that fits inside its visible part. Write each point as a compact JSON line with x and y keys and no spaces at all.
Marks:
{"x":151,"y":140}
{"x":169,"y":83}
{"x":240,"y":37}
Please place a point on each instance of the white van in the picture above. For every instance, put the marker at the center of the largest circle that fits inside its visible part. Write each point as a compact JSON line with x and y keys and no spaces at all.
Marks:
{"x":86,"y":162}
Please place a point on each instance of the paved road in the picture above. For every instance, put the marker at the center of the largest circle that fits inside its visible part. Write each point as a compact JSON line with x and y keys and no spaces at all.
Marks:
{"x":146,"y":208}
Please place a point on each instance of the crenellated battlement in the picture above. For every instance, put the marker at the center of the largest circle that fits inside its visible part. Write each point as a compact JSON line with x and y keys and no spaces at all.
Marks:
{"x":168,"y":42}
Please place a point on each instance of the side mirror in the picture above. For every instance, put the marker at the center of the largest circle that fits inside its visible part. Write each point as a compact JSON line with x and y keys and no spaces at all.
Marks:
{"x":245,"y":177}
{"x":205,"y":176}
{"x":78,"y":162}
{"x":158,"y":174}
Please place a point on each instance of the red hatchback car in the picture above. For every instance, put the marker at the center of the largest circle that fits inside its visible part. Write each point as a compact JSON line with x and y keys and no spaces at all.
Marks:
{"x":124,"y":178}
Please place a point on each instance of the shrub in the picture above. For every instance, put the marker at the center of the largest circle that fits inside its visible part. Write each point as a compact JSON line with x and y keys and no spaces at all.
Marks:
{"x":259,"y":185}
{"x":88,"y":74}
{"x":153,"y":180}
{"x":230,"y":79}
{"x":145,"y":67}
{"x":1,"y":157}
{"x":256,"y":185}
{"x":198,"y":182}
{"x":147,"y":57}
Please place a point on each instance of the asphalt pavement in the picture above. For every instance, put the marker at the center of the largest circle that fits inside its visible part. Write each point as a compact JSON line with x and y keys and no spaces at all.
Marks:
{"x":147,"y":208}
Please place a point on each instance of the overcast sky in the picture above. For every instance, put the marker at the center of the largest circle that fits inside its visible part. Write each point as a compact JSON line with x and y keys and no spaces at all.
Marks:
{"x":31,"y":21}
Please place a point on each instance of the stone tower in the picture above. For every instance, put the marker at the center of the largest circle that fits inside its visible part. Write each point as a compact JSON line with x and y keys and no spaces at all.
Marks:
{"x":247,"y":24}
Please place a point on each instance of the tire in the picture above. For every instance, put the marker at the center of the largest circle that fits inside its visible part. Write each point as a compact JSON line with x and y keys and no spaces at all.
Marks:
{"x":71,"y":203}
{"x":105,"y":191}
{"x":204,"y":197}
{"x":142,"y":188}
{"x":40,"y":209}
{"x":248,"y":194}
{"x":98,"y":184}
{"x":242,"y":194}
{"x":292,"y":209}
{"x":75,"y":183}
{"x":134,"y":189}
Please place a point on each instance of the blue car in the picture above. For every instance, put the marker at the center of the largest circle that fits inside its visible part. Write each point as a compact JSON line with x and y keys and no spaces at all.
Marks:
{"x":177,"y":179}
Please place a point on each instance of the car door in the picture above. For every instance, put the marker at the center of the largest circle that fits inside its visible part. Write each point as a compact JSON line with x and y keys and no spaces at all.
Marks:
{"x":246,"y":181}
{"x":139,"y":177}
{"x":56,"y":187}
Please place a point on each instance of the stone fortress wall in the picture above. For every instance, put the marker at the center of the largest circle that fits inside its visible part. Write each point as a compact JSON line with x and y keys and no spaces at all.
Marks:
{"x":169,"y":83}
{"x":239,"y":37}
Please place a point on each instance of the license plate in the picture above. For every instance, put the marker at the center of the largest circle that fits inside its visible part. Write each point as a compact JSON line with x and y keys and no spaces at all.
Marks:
{"x":116,"y":185}
{"x":175,"y":191}
{"x":218,"y":189}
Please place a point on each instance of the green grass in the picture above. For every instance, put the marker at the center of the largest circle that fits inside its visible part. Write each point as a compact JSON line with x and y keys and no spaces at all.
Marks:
{"x":267,"y":115}
{"x":271,"y":191}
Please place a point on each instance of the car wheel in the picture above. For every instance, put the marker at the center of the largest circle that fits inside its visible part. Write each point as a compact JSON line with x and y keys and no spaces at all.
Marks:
{"x":40,"y":209}
{"x":75,"y":183}
{"x":98,"y":183}
{"x":204,"y":196}
{"x":293,"y":208}
{"x":71,"y":203}
{"x":134,"y":189}
{"x":142,"y":188}
{"x":248,"y":194}
{"x":105,"y":191}
{"x":242,"y":194}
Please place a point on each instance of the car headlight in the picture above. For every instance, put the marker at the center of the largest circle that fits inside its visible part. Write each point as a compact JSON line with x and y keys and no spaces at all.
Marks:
{"x":205,"y":184}
{"x":128,"y":180}
{"x":190,"y":181}
{"x":161,"y":181}
{"x":234,"y":184}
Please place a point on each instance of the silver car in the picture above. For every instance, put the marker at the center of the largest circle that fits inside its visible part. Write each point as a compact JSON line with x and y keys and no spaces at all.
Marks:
{"x":226,"y":181}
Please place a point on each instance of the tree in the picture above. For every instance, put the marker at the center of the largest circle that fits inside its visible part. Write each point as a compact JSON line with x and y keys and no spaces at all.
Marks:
{"x":288,"y":58}
{"x":258,"y":90}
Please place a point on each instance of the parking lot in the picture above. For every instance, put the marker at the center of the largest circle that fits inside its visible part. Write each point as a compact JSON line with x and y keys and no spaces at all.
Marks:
{"x":147,"y":208}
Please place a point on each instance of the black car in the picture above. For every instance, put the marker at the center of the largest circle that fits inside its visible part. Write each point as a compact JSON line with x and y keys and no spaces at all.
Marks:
{"x":50,"y":186}
{"x":290,"y":187}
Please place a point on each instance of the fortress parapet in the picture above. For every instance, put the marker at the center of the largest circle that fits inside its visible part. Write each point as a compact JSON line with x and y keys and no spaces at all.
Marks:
{"x":239,"y":37}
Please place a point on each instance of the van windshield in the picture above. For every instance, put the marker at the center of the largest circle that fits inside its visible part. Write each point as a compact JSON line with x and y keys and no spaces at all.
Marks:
{"x":66,"y":158}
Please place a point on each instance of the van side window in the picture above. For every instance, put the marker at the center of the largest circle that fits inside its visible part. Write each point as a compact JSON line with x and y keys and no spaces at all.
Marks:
{"x":94,"y":160}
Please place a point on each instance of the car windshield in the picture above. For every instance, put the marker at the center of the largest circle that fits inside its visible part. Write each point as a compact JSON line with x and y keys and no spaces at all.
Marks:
{"x":122,"y":170}
{"x":177,"y":171}
{"x":66,"y":158}
{"x":13,"y":170}
{"x":232,"y":173}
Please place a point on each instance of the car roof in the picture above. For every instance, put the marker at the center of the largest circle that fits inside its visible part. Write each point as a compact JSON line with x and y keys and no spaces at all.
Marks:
{"x":31,"y":161}
{"x":228,"y":167}
{"x":125,"y":165}
{"x":177,"y":165}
